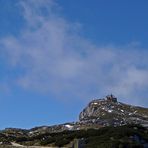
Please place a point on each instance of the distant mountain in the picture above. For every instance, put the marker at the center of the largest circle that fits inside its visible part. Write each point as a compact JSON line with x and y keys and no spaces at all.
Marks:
{"x":106,"y":114}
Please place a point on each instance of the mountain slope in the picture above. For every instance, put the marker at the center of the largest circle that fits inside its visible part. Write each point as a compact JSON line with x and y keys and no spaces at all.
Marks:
{"x":102,"y":123}
{"x":133,"y":136}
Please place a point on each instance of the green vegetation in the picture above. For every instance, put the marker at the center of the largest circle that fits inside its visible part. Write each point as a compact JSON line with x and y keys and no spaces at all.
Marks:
{"x":107,"y":137}
{"x":133,"y":136}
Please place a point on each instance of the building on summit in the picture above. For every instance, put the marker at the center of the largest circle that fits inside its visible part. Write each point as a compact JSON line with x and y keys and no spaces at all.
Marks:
{"x":111,"y":98}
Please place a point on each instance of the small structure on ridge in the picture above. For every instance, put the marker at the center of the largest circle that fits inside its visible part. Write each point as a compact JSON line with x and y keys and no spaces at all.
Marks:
{"x":111,"y":98}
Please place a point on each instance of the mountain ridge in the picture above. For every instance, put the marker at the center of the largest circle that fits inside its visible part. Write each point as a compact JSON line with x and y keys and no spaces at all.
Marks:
{"x":98,"y":114}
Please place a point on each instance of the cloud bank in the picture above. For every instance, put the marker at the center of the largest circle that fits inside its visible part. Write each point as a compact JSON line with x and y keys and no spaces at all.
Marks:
{"x":50,"y":56}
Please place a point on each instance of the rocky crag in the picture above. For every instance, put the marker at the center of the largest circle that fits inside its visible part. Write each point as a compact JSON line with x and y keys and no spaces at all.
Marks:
{"x":108,"y":111}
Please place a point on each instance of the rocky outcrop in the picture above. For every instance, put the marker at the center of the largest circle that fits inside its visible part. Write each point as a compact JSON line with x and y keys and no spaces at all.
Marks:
{"x":108,"y":111}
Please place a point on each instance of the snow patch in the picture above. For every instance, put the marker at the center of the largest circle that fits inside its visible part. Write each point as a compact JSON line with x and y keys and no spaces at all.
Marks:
{"x":69,"y":126}
{"x":109,"y":111}
{"x":135,"y":111}
{"x":31,"y":132}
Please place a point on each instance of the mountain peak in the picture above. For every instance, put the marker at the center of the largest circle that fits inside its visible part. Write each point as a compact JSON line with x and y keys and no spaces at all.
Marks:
{"x":109,"y":98}
{"x":108,"y":111}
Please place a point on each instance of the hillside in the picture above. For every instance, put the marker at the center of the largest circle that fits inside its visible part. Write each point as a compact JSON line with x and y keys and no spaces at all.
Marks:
{"x":102,"y":123}
{"x":133,"y":136}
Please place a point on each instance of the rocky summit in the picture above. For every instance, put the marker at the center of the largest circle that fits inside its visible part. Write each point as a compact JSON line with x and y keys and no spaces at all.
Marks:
{"x":101,"y":120}
{"x":108,"y":111}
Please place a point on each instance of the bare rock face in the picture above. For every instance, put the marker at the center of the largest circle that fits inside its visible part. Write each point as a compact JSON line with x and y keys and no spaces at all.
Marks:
{"x":108,"y":111}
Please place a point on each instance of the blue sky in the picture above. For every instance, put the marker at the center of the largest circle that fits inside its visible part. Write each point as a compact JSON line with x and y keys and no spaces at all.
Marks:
{"x":58,"y":55}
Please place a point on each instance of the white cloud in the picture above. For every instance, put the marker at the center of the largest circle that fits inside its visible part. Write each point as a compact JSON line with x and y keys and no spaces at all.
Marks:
{"x":56,"y":59}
